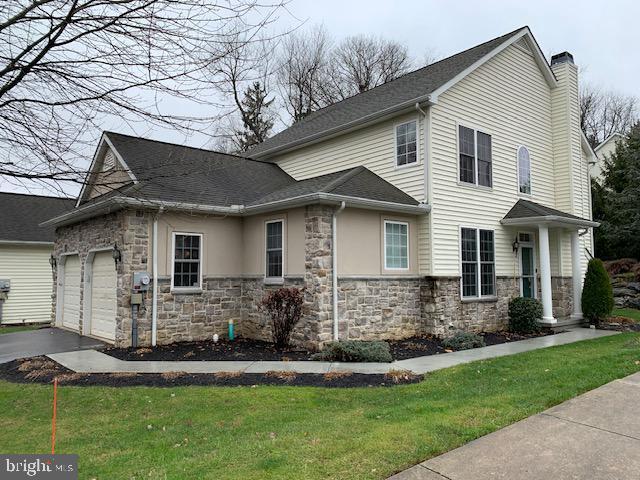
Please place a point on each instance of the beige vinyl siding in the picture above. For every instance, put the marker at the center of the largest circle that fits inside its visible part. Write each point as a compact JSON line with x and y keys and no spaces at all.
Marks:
{"x":562,"y":137}
{"x":29,"y":270}
{"x":508,"y":98}
{"x":374,"y":148}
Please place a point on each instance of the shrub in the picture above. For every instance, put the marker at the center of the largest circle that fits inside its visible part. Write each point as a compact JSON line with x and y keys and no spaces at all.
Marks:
{"x":524,"y":314}
{"x":597,"y":294}
{"x":284,"y":306}
{"x":355,"y":351}
{"x":463,"y":341}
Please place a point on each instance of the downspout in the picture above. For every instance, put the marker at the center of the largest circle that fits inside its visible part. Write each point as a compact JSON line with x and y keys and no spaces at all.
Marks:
{"x":154,"y":273}
{"x":334,"y":267}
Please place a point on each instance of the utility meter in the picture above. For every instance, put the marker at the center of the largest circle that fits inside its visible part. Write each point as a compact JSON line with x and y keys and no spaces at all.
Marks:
{"x":5,"y":285}
{"x":141,"y":281}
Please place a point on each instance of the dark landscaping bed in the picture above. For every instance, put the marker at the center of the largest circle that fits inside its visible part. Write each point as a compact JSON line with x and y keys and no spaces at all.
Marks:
{"x":254,"y":350}
{"x":42,"y":370}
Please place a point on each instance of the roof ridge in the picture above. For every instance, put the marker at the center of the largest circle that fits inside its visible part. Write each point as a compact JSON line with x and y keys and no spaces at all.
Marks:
{"x":201,"y":149}
{"x":342,"y":179}
{"x":37,"y":196}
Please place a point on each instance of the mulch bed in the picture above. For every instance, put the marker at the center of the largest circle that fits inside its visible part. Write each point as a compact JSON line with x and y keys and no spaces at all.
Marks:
{"x":254,"y":350}
{"x":620,"y":324}
{"x":42,"y":370}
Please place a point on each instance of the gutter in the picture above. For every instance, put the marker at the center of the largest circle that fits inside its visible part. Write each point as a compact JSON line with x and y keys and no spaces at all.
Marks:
{"x":24,"y":242}
{"x":334,"y":267}
{"x":549,"y":219}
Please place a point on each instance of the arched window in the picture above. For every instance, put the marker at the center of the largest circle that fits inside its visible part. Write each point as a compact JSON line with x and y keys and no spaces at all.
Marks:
{"x":524,"y":171}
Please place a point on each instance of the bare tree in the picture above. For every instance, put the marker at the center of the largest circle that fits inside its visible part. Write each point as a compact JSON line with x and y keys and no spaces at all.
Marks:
{"x":605,"y":112}
{"x":67,"y":64}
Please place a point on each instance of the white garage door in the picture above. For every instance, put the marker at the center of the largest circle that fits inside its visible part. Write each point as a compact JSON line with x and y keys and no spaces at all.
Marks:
{"x":71,"y":293}
{"x":103,"y":296}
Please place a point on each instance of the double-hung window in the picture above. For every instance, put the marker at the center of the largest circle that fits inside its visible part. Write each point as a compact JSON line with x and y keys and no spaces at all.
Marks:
{"x":478,"y":263}
{"x":406,"y":144}
{"x":475,"y":157}
{"x":524,"y":171}
{"x":187,"y":260}
{"x":274,"y":243}
{"x":396,"y":245}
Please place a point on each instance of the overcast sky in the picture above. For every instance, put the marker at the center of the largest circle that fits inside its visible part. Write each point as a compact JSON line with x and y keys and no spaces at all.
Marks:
{"x":602,"y":36}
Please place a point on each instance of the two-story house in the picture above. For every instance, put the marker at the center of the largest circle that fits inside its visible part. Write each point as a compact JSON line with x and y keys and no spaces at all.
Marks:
{"x":421,"y":206}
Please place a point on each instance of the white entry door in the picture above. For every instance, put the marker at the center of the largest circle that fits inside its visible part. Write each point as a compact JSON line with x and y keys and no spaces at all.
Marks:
{"x":71,"y":293}
{"x":527,"y":265}
{"x":103,"y":296}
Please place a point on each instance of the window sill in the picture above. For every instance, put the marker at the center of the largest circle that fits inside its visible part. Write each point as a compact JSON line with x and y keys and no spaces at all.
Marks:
{"x":479,"y":300}
{"x":186,"y":291}
{"x":474,"y":186}
{"x":274,"y":281}
{"x":407,"y":165}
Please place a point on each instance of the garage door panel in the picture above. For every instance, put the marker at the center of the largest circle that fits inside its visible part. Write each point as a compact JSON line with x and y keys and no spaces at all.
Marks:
{"x":71,"y":293}
{"x":103,"y":296}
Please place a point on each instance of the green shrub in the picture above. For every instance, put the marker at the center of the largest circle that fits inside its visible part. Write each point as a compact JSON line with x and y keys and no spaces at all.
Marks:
{"x":597,"y":294}
{"x":524,"y":314}
{"x":463,"y":341}
{"x":355,"y":351}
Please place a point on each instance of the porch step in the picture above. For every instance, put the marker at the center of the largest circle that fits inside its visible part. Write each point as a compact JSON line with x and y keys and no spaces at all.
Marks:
{"x":565,"y":323}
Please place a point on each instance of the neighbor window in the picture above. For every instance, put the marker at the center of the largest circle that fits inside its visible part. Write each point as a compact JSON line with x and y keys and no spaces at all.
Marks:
{"x":396,"y":245}
{"x":187,"y":258}
{"x":524,"y":171}
{"x":478,"y":263}
{"x":274,"y":248}
{"x":475,"y":157}
{"x":406,"y":144}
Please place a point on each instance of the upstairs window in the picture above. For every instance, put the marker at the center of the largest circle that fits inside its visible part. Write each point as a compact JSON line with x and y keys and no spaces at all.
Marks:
{"x":524,"y":171}
{"x":477,"y":263}
{"x":274,"y":232}
{"x":187,"y":258}
{"x":406,"y":144}
{"x":396,"y":245}
{"x":475,"y":157}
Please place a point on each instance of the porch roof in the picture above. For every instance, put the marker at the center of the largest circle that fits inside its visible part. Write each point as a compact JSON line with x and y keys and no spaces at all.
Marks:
{"x":526,"y":212}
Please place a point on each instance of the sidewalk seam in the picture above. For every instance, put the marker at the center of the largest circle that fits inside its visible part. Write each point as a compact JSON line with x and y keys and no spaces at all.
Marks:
{"x":435,"y":471}
{"x":590,"y":426}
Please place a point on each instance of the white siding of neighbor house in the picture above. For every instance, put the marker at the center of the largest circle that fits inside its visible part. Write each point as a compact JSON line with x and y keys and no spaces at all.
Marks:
{"x":374,"y":148}
{"x":29,"y":270}
{"x":508,"y":98}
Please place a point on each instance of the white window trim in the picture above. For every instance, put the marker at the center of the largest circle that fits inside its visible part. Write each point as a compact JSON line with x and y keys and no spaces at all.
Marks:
{"x":475,"y":129}
{"x":280,"y":279}
{"x":530,"y":194}
{"x":384,"y":241}
{"x":531,"y":244}
{"x":173,"y":261}
{"x":479,"y":296}
{"x":395,"y":144}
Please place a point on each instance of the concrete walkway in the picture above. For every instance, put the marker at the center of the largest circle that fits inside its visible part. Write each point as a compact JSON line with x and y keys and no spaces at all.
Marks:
{"x":91,"y":361}
{"x":594,"y":436}
{"x":41,"y":342}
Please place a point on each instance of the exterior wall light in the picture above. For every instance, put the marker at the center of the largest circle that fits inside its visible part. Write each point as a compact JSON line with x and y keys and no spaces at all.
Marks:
{"x":515,"y":245}
{"x":116,"y":254}
{"x":53,"y":262}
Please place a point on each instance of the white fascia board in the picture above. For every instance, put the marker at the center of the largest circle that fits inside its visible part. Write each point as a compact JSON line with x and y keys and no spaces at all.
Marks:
{"x":537,"y":54}
{"x":550,"y":219}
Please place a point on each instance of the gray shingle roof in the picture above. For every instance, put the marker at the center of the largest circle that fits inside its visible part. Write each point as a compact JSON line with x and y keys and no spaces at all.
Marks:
{"x":20,"y":216}
{"x":404,"y":89}
{"x":528,"y":209}
{"x":356,"y":182}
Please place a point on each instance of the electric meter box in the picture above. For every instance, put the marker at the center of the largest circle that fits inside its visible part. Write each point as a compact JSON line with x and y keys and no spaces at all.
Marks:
{"x":5,"y":285}
{"x":141,"y":281}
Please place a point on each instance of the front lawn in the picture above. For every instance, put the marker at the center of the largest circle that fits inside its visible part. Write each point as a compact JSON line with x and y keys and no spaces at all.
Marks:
{"x":17,"y":328}
{"x":627,"y":312}
{"x":302,"y":432}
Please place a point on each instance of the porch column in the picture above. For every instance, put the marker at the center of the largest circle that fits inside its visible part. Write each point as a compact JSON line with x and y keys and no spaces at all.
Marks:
{"x":545,"y":275}
{"x":576,"y":268}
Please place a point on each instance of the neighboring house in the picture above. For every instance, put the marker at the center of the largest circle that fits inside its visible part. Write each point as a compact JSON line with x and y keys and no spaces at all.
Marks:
{"x":604,"y":151}
{"x":25,"y":253}
{"x":420,"y":206}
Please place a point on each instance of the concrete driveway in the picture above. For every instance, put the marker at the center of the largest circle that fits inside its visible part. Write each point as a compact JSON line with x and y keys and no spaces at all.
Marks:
{"x":595,"y":436}
{"x":42,"y":342}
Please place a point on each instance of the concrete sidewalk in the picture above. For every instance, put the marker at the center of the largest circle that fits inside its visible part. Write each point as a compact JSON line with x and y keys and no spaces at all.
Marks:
{"x":91,"y":361}
{"x":594,"y":436}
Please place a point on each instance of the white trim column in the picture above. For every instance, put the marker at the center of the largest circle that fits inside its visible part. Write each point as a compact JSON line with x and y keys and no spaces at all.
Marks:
{"x":576,"y":273}
{"x":545,"y":275}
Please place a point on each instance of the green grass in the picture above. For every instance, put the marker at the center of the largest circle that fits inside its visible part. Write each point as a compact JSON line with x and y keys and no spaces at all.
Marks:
{"x":302,"y":433}
{"x":17,"y":328}
{"x":627,"y":312}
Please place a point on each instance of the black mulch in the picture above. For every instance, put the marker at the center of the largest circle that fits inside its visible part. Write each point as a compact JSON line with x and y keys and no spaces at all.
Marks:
{"x":254,"y":350}
{"x":620,"y":327}
{"x":42,"y":370}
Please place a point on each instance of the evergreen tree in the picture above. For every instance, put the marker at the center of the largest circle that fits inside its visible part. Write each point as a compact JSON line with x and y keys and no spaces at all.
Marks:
{"x":257,"y":121}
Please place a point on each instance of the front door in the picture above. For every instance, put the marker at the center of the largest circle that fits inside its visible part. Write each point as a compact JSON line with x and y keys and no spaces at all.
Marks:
{"x":527,"y":266}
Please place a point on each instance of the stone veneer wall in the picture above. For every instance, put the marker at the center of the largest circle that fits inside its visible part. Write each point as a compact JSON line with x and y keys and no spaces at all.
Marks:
{"x":562,"y":295}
